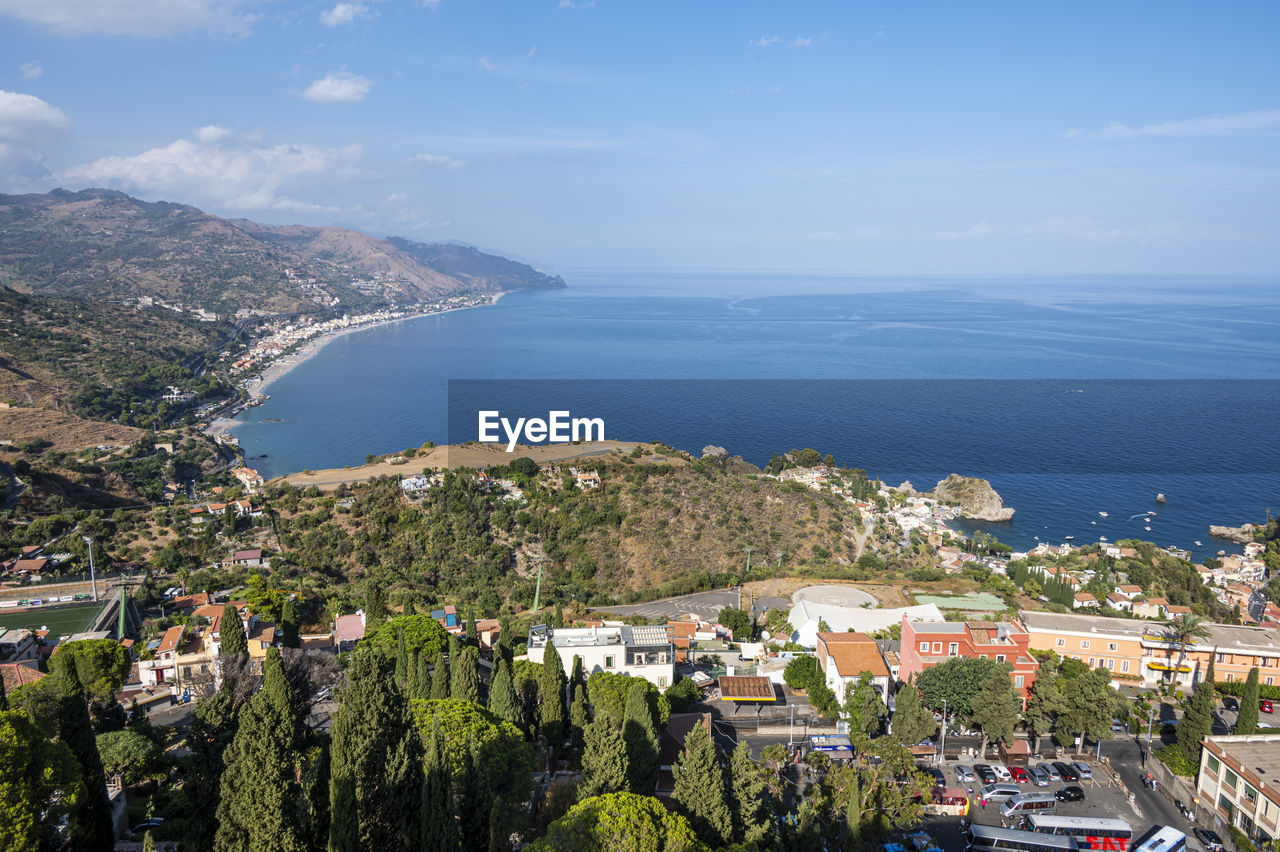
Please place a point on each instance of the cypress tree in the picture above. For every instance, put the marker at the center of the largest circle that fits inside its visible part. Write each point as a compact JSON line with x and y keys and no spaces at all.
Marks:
{"x":576,"y":676}
{"x":551,"y":695}
{"x":149,"y":843}
{"x":375,"y":772}
{"x":1247,"y":721}
{"x":474,"y":802}
{"x":4,"y":699}
{"x":439,"y":830}
{"x":213,"y":727}
{"x":233,"y":649}
{"x":402,"y":661}
{"x":911,"y":722}
{"x":604,"y":759}
{"x":91,"y":822}
{"x":699,"y":789}
{"x":747,"y":805}
{"x":641,"y":738}
{"x":375,"y":609}
{"x":261,"y":798}
{"x":1197,"y":721}
{"x":499,"y":831}
{"x":411,"y":682}
{"x":469,"y":631}
{"x":289,"y":624}
{"x":424,"y":676}
{"x":465,"y":683}
{"x":505,"y":638}
{"x":578,"y":717}
{"x":316,"y":823}
{"x":853,"y":816}
{"x":440,"y":678}
{"x":503,"y":702}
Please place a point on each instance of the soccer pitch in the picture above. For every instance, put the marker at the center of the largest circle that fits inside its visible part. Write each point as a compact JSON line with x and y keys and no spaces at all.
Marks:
{"x":61,"y":621}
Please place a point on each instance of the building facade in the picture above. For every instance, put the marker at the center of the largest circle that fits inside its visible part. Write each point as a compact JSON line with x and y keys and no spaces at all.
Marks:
{"x":844,"y":657}
{"x":644,"y":652}
{"x":1240,"y":780}
{"x":926,"y":645}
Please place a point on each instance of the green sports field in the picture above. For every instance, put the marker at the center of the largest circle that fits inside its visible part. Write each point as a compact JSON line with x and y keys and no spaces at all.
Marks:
{"x":61,"y":621}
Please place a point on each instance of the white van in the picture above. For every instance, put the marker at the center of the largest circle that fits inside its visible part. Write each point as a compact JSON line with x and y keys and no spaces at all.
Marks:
{"x":1030,"y":803}
{"x":1000,"y":791}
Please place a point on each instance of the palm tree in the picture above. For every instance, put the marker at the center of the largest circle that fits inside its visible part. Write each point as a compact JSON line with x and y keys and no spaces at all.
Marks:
{"x":1185,"y":631}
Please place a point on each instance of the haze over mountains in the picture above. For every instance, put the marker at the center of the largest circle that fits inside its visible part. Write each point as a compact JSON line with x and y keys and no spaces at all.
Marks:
{"x":101,"y":244}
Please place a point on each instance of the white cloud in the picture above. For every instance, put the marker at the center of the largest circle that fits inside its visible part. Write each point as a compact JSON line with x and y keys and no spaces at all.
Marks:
{"x":212,"y":133}
{"x":339,"y":87}
{"x":581,"y":4}
{"x":31,"y":70}
{"x":487,"y":65}
{"x":344,"y":13}
{"x":801,"y":41}
{"x":27,"y":125}
{"x":222,"y":172}
{"x":438,"y":160}
{"x":132,"y":17}
{"x":764,"y":41}
{"x":1259,"y":122}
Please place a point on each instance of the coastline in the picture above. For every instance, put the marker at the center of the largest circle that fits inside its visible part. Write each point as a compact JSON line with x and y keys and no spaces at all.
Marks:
{"x":282,"y":366}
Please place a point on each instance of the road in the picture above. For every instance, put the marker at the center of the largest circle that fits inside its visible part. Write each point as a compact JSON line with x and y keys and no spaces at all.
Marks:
{"x":706,"y":605}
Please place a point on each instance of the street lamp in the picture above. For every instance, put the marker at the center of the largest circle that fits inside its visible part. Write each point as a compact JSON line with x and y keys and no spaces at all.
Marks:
{"x":942,"y":745}
{"x":93,"y":578}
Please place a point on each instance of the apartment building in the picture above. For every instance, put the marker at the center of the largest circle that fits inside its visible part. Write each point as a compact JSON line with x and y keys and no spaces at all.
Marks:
{"x":1240,"y":780}
{"x":1147,"y":651}
{"x":645,"y":652}
{"x":926,"y":645}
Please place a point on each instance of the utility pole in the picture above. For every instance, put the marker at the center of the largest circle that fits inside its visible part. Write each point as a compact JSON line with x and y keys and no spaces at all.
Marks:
{"x":791,"y":732}
{"x":942,"y":744}
{"x":93,"y":577}
{"x":537,"y":591}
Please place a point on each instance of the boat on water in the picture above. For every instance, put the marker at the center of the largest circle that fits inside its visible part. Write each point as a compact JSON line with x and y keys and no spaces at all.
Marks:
{"x":1070,"y":537}
{"x":1103,"y":514}
{"x":1102,"y":538}
{"x":1199,"y":544}
{"x":1148,"y":529}
{"x":1095,"y":523}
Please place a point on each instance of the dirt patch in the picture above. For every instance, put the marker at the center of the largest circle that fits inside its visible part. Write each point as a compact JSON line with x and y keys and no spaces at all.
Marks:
{"x":472,"y":456}
{"x":65,"y":431}
{"x":887,"y":595}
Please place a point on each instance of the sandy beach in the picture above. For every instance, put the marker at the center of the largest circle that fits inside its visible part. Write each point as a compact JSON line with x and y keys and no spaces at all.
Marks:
{"x":283,"y":365}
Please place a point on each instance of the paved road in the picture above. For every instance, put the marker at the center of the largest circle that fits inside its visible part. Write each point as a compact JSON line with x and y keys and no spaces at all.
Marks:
{"x":705,"y":605}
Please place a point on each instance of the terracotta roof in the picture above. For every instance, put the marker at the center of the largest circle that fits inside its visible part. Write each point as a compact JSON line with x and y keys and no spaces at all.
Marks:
{"x":34,"y":565}
{"x":16,"y":675}
{"x":169,"y":642}
{"x":246,"y":554}
{"x":199,"y":599}
{"x":746,"y":688}
{"x":1085,"y":596}
{"x":854,"y":653}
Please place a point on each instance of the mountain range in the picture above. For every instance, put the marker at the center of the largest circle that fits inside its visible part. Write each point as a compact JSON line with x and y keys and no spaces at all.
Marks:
{"x":99,"y":244}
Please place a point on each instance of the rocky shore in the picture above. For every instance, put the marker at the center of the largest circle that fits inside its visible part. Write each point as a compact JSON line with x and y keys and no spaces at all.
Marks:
{"x":1241,"y":535}
{"x":976,"y":498}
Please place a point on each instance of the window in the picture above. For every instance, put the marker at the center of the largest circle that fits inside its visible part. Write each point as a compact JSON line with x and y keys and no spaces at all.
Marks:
{"x":1084,"y":644}
{"x":662,"y":683}
{"x":1212,"y":764}
{"x":953,"y":649}
{"x":608,"y":662}
{"x":1061,"y":643}
{"x":1112,"y":646}
{"x":1093,"y":662}
{"x":1269,"y":681}
{"x":1229,"y":779}
{"x":1222,"y":658}
{"x":1124,"y":665}
{"x":1017,"y":681}
{"x":1111,"y":664}
{"x":1250,"y":794}
{"x":999,"y":658}
{"x":937,"y":647}
{"x":924,"y":647}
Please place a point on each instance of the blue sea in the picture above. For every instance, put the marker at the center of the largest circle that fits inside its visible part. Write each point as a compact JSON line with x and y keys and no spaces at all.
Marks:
{"x":1073,"y":396}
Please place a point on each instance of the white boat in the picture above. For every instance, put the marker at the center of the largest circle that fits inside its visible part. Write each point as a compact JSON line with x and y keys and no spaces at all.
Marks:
{"x":1148,"y":529}
{"x":1103,"y":514}
{"x":1102,"y":538}
{"x":1070,"y":537}
{"x":1199,"y":544}
{"x":1095,"y":523}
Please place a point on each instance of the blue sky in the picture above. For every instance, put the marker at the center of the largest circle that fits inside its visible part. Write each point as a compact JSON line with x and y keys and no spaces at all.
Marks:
{"x":848,"y":137}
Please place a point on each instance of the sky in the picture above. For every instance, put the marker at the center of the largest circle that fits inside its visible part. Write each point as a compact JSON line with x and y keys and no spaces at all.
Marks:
{"x":848,"y":137}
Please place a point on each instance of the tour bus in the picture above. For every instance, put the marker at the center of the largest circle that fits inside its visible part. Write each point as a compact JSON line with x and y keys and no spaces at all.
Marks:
{"x":951,"y":801}
{"x":990,"y":838}
{"x":1103,"y":835}
{"x":1030,"y":803}
{"x":1161,"y":838}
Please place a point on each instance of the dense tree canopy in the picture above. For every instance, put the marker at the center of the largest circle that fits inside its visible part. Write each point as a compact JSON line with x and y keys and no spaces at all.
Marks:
{"x":619,"y":822}
{"x":506,"y":754}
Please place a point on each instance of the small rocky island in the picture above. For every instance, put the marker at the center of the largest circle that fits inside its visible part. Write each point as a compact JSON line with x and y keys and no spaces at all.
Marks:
{"x":1242,"y":534}
{"x":976,"y":498}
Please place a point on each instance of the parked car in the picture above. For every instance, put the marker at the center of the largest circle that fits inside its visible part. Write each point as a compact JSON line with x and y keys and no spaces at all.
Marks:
{"x":1229,"y":703}
{"x":1050,"y":770}
{"x":1066,"y":771}
{"x":1070,"y":793}
{"x":1265,"y":705}
{"x":986,"y":773}
{"x":939,"y":780}
{"x":1082,"y":769}
{"x":1019,"y":774}
{"x":965,"y":775}
{"x":1117,"y":725}
{"x":1209,"y":839}
{"x":992,"y":792}
{"x":1038,"y":776}
{"x":1002,"y":771}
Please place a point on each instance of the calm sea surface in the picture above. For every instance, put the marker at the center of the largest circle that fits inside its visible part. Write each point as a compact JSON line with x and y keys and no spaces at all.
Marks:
{"x":1060,"y":446}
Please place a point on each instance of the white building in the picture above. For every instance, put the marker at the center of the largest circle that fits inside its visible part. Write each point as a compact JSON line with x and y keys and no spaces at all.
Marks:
{"x":635,"y":651}
{"x":844,"y":657}
{"x":806,"y":615}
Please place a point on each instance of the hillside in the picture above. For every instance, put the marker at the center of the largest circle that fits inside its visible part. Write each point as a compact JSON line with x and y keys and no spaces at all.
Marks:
{"x":104,"y":245}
